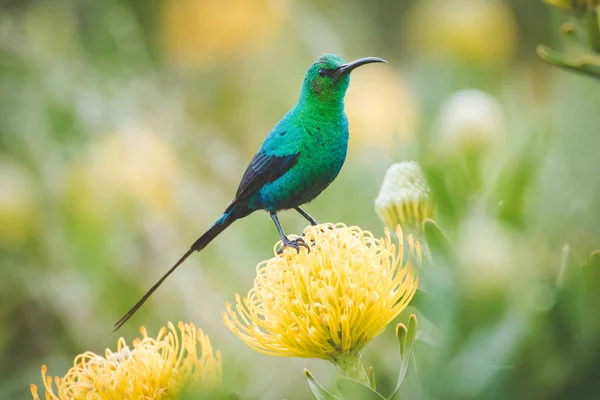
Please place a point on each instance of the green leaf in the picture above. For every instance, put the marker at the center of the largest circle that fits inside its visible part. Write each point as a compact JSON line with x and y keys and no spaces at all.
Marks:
{"x":445,"y":201}
{"x":422,"y":299}
{"x":591,"y":276}
{"x":594,"y":261}
{"x":401,"y":333}
{"x":591,"y":25}
{"x":317,"y":389}
{"x":352,"y":389}
{"x":598,"y":16}
{"x":517,"y":179}
{"x":412,"y":329}
{"x":441,"y":249}
{"x":406,"y":340}
{"x":564,"y":265}
{"x":421,"y":296}
{"x":371,"y":375}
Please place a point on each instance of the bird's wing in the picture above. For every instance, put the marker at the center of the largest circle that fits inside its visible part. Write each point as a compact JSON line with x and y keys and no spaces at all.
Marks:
{"x":263,"y":169}
{"x":278,"y":153}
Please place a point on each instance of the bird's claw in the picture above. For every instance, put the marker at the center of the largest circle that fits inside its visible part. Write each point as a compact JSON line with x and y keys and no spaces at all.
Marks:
{"x":295,"y":244}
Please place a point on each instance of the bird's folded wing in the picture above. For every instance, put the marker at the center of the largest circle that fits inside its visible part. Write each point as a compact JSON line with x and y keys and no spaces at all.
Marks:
{"x":263,"y":169}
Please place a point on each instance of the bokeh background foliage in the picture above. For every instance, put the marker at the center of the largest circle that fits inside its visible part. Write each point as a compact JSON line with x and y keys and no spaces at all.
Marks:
{"x":125,"y":126}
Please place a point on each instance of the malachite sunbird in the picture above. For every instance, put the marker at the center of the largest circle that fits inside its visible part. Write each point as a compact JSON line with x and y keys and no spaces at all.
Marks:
{"x":301,"y":156}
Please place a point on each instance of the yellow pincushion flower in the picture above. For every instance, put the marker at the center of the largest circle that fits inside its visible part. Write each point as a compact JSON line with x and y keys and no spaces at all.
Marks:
{"x":330,"y":302}
{"x":470,"y":31}
{"x":134,"y":165}
{"x":153,"y":369}
{"x":197,"y":32}
{"x":405,"y":197}
{"x":381,"y":109}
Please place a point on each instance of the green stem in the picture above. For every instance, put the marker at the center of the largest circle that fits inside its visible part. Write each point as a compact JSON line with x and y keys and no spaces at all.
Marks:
{"x":586,"y":65}
{"x":350,"y":366}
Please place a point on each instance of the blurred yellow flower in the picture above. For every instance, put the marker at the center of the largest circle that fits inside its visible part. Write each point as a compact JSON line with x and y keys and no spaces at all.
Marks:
{"x":158,"y":368}
{"x":381,"y":108}
{"x":134,"y":165}
{"x":18,"y":215}
{"x":330,"y":302}
{"x":197,"y":32}
{"x":405,"y":197}
{"x":482,"y":31}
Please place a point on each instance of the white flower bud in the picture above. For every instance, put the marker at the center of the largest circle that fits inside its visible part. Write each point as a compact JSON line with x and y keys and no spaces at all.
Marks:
{"x":469,"y":120}
{"x":404,"y":197}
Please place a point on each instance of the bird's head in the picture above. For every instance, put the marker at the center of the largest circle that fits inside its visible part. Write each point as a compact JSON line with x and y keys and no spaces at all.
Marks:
{"x":327,"y":78}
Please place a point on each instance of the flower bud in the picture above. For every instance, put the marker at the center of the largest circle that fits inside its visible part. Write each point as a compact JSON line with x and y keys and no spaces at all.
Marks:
{"x":404,"y":197}
{"x":469,"y":121}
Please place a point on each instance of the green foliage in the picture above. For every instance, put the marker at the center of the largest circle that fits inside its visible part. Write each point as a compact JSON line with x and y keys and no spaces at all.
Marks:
{"x":351,"y":389}
{"x":406,"y":339}
{"x":372,"y":379}
{"x":584,"y":55}
{"x":318,"y":391}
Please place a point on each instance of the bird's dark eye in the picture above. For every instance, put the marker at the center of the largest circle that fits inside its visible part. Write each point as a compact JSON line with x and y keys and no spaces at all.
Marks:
{"x":323,"y":72}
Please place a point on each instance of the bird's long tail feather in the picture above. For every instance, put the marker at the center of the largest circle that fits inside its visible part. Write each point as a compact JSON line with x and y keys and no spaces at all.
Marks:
{"x":222,"y":223}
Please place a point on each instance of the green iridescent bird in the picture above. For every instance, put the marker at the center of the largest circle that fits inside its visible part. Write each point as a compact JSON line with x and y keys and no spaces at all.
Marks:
{"x":301,"y":156}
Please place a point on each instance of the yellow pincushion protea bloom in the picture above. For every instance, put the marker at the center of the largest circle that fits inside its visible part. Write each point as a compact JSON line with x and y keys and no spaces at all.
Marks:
{"x":330,"y":302}
{"x":158,"y":368}
{"x":197,"y":32}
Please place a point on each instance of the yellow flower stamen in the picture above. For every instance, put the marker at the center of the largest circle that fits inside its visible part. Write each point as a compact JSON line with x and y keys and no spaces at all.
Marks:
{"x":327,"y":303}
{"x":152,"y":369}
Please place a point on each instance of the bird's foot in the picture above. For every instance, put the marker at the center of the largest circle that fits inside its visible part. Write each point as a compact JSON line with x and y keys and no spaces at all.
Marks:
{"x":295,"y":244}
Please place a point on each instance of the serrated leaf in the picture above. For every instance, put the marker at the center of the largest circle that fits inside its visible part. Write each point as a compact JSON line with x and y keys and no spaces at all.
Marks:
{"x":372,"y":381}
{"x":352,"y":389}
{"x":317,"y":389}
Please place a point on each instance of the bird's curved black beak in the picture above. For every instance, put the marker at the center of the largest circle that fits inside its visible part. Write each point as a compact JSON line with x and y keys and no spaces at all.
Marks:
{"x":345,"y":69}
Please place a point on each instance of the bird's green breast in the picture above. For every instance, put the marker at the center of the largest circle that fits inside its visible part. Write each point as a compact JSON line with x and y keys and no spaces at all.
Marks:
{"x":322,"y":145}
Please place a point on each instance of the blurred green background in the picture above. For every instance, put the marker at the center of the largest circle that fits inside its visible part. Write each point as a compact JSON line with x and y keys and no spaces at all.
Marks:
{"x":125,"y":126}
